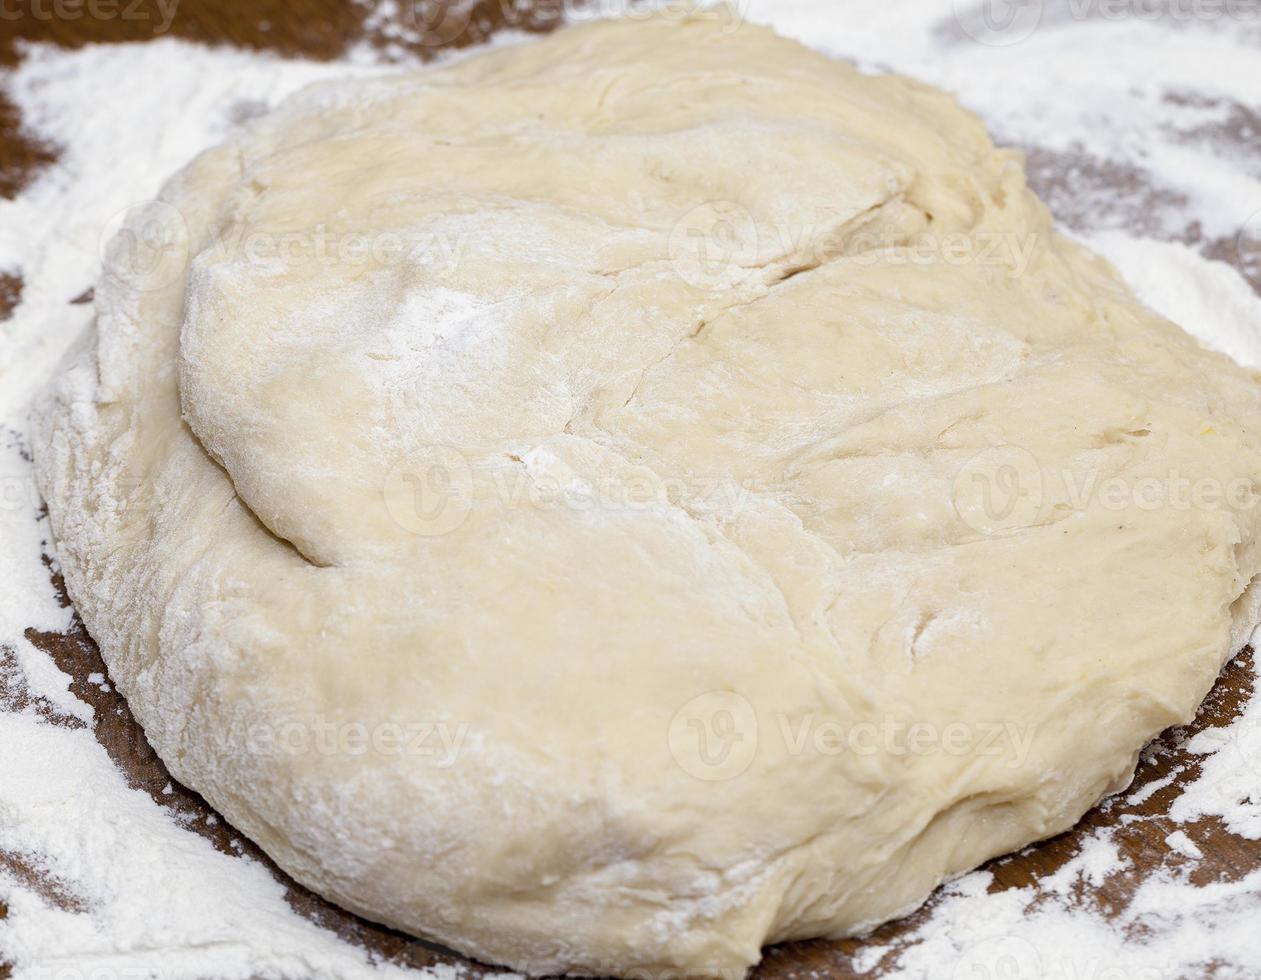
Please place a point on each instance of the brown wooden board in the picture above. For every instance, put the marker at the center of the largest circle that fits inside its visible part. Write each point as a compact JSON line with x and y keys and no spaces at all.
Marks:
{"x":322,"y":29}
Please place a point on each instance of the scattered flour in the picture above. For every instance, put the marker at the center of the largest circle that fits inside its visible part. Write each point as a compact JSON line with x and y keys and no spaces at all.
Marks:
{"x":137,"y":894}
{"x":1099,"y":100}
{"x":145,"y":897}
{"x":1229,"y":786}
{"x":1207,"y":299}
{"x":1184,"y":845}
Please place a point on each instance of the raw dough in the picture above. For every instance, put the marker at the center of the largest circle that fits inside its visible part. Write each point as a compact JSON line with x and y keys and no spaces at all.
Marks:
{"x":627,"y":498}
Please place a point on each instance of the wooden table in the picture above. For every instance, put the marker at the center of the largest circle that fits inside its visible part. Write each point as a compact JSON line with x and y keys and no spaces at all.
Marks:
{"x":322,"y":29}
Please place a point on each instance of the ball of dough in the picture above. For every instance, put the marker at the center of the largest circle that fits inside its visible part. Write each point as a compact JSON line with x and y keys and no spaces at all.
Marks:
{"x":624,"y":499}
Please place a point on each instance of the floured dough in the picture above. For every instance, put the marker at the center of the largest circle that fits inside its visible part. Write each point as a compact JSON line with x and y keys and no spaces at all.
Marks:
{"x":628,"y":498}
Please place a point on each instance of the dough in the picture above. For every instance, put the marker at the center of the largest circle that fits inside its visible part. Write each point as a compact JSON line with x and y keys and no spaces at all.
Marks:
{"x":624,"y":499}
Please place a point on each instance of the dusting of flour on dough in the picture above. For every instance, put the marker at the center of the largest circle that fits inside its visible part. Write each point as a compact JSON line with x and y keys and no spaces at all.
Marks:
{"x":132,"y":890}
{"x":1171,"y":925}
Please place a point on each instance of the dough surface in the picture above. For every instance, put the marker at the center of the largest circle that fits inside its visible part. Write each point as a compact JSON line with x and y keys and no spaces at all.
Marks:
{"x":624,"y":499}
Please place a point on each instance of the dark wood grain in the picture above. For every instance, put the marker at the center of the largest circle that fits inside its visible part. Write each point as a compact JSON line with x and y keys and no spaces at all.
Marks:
{"x":322,"y":29}
{"x":10,"y":293}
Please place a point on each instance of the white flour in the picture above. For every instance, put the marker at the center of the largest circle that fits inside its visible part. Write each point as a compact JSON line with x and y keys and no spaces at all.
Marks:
{"x":1161,"y":106}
